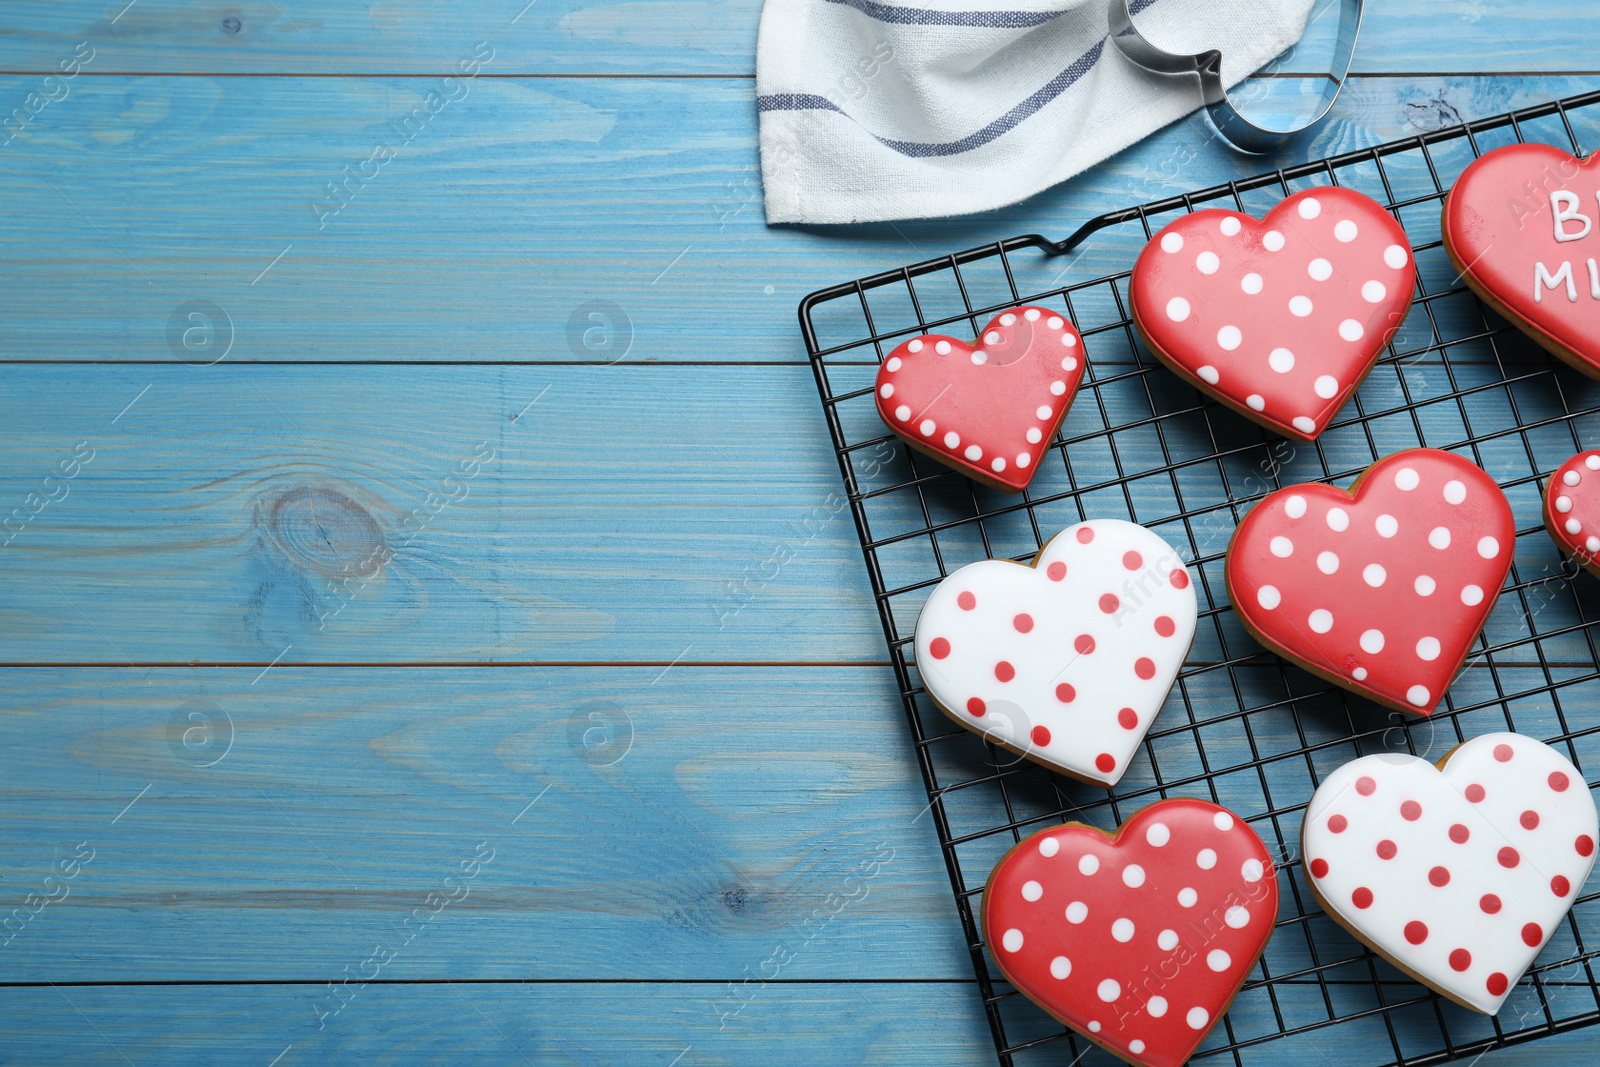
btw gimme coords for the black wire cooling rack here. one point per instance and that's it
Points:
(1241, 726)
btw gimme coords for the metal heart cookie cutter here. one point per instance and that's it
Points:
(1238, 131)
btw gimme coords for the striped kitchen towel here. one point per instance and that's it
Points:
(873, 111)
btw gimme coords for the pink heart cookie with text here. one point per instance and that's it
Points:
(988, 409)
(1278, 319)
(1520, 226)
(1458, 874)
(1381, 589)
(1572, 509)
(1065, 660)
(1138, 941)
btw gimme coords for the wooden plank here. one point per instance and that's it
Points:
(222, 850)
(241, 824)
(576, 513)
(255, 515)
(867, 1023)
(452, 250)
(405, 37)
(551, 824)
(655, 37)
(424, 514)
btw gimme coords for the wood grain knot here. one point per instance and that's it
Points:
(325, 531)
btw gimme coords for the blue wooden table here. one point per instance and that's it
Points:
(429, 626)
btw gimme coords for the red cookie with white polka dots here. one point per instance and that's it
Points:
(1572, 509)
(987, 409)
(1458, 874)
(1138, 941)
(1381, 589)
(1519, 225)
(1278, 319)
(1066, 660)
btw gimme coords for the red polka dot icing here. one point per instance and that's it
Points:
(1279, 319)
(1472, 889)
(1522, 226)
(1381, 590)
(987, 408)
(1572, 509)
(1093, 678)
(1138, 941)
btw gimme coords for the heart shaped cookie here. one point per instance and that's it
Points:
(1278, 319)
(1382, 589)
(1065, 660)
(1520, 225)
(1138, 941)
(1458, 874)
(989, 410)
(1572, 509)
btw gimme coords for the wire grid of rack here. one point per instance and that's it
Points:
(1241, 726)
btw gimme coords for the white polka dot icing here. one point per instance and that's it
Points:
(1354, 599)
(1460, 874)
(1066, 661)
(1143, 972)
(986, 411)
(1572, 509)
(1321, 298)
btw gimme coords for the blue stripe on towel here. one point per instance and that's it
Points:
(1005, 123)
(921, 16)
(1054, 88)
(797, 102)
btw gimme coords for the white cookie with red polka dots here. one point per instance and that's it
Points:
(1278, 319)
(1457, 874)
(1066, 660)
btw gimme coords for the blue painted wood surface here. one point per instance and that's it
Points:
(618, 676)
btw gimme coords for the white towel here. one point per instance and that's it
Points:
(873, 110)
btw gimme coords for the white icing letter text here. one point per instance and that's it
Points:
(1543, 279)
(1564, 205)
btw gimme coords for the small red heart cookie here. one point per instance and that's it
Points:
(1572, 509)
(1381, 589)
(1138, 941)
(1457, 874)
(1278, 319)
(989, 412)
(1068, 660)
(1520, 224)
